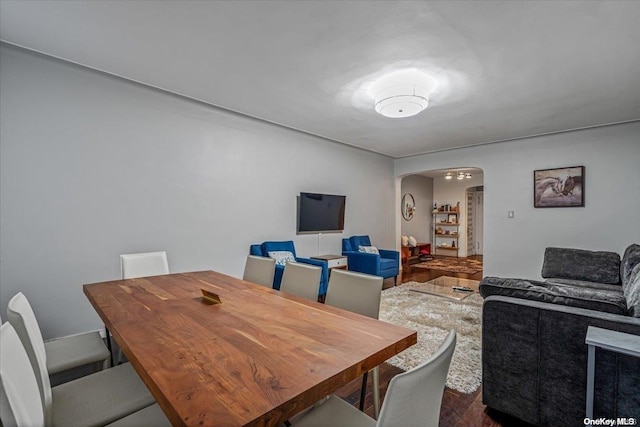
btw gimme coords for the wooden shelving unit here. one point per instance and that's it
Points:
(446, 232)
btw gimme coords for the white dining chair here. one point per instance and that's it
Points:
(301, 280)
(144, 264)
(73, 351)
(359, 293)
(133, 266)
(413, 398)
(259, 270)
(20, 403)
(95, 399)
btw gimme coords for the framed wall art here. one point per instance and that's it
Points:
(558, 188)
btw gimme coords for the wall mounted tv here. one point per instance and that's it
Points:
(320, 213)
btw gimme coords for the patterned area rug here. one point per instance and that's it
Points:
(432, 317)
(453, 265)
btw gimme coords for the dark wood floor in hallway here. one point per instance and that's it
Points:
(458, 409)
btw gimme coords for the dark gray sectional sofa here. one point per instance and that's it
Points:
(534, 356)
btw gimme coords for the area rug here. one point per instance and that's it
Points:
(453, 265)
(433, 317)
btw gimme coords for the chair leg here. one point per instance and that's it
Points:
(395, 280)
(363, 390)
(376, 392)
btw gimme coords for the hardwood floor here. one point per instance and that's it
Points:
(458, 409)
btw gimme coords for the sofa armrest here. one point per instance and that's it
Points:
(571, 296)
(390, 254)
(534, 362)
(579, 264)
(363, 262)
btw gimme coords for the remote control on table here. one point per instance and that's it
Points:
(462, 289)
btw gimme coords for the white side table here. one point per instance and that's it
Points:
(333, 261)
(618, 342)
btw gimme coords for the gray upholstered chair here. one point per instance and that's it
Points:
(301, 280)
(144, 264)
(359, 293)
(93, 400)
(74, 351)
(413, 398)
(151, 416)
(259, 270)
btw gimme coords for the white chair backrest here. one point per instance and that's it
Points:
(414, 397)
(20, 403)
(144, 264)
(356, 292)
(301, 280)
(259, 270)
(23, 320)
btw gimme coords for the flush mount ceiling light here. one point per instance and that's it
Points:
(449, 175)
(460, 175)
(402, 93)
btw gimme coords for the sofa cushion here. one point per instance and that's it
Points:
(632, 292)
(273, 246)
(357, 241)
(592, 299)
(630, 259)
(580, 264)
(585, 284)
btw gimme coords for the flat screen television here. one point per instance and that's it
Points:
(320, 213)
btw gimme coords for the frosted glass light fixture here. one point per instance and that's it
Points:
(403, 93)
(448, 176)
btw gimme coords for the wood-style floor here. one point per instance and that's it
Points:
(458, 409)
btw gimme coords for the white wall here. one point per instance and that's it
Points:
(514, 247)
(421, 187)
(451, 192)
(93, 166)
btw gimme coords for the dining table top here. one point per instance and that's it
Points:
(258, 357)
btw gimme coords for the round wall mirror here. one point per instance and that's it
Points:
(408, 206)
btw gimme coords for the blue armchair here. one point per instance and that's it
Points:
(266, 247)
(386, 264)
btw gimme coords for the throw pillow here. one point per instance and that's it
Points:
(412, 241)
(404, 240)
(281, 257)
(368, 249)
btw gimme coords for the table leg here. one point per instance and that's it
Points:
(108, 335)
(363, 390)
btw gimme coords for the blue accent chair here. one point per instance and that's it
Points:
(387, 264)
(264, 248)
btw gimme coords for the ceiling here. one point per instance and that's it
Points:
(504, 70)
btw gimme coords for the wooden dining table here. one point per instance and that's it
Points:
(258, 357)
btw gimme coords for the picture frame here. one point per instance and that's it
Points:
(559, 187)
(452, 219)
